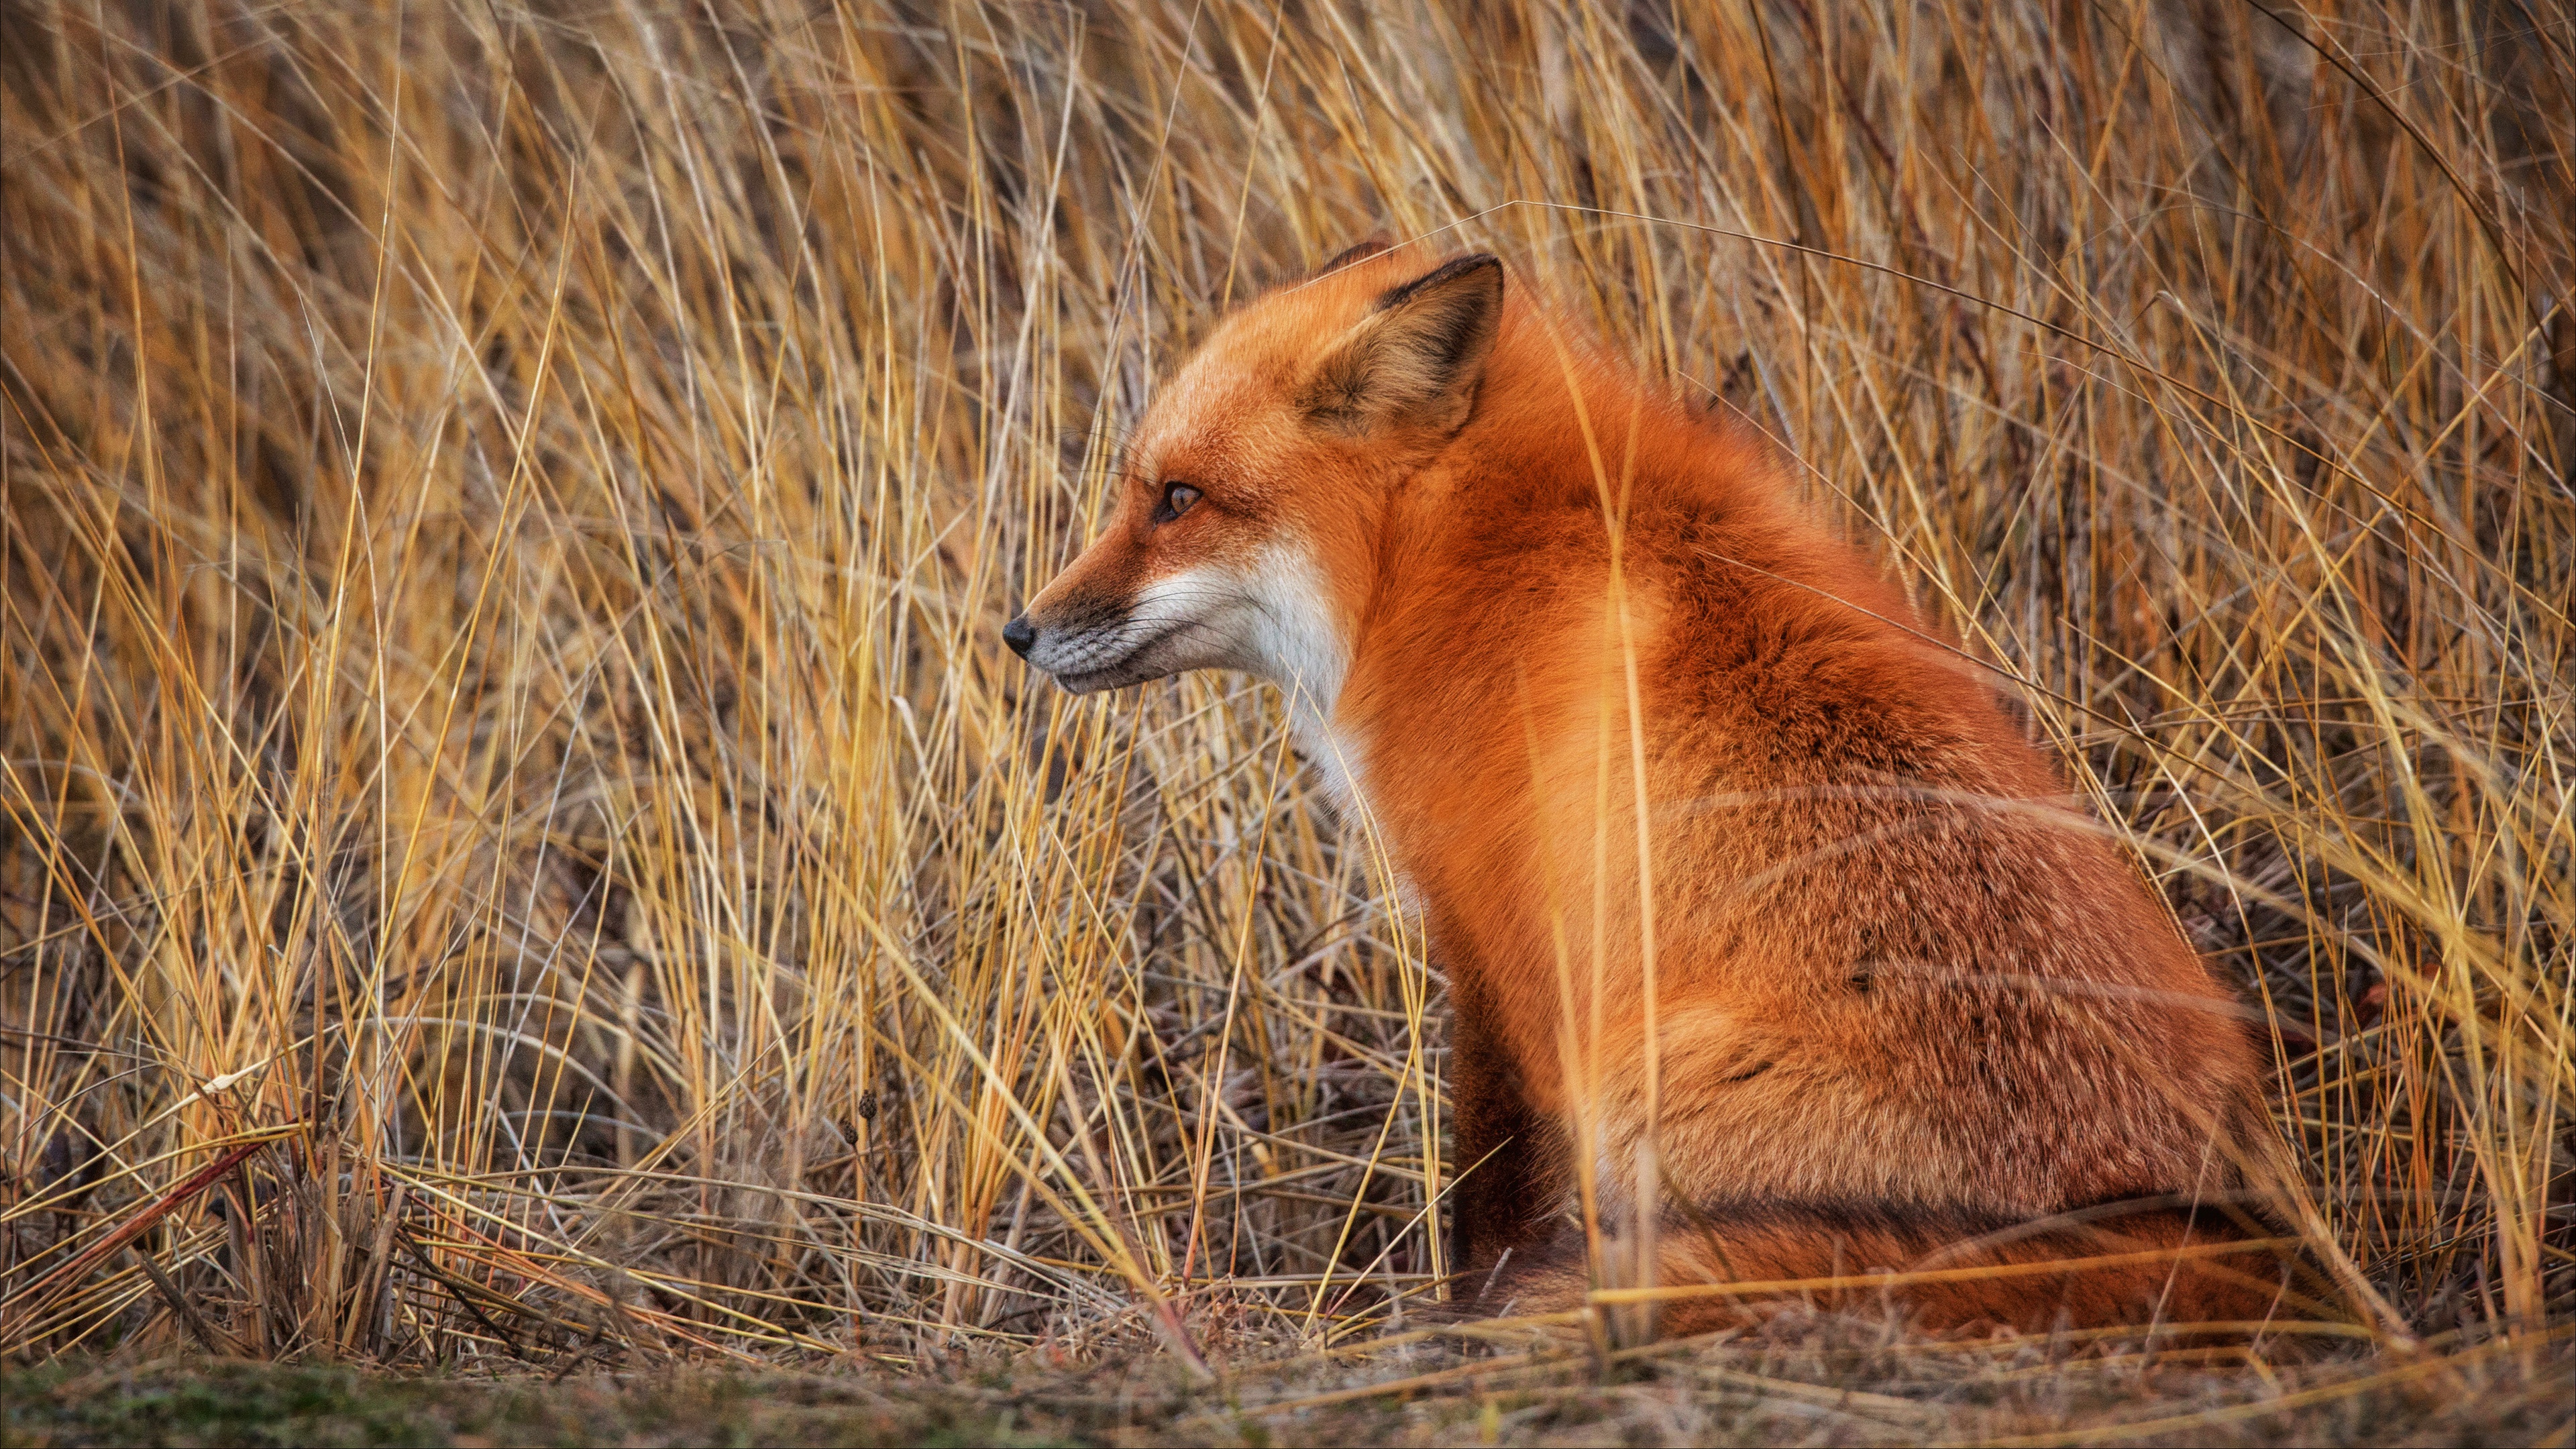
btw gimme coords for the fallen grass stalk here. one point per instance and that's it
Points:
(2234, 1413)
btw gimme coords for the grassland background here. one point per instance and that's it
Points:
(522, 841)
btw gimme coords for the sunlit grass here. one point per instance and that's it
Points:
(508, 514)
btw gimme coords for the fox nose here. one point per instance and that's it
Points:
(1019, 635)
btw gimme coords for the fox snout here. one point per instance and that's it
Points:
(1091, 641)
(1273, 617)
(1082, 644)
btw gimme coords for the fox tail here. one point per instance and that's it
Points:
(2121, 1263)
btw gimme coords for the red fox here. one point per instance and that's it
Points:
(1767, 936)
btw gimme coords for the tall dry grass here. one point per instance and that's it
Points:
(521, 834)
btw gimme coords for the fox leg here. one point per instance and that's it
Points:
(1509, 1160)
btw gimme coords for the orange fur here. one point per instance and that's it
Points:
(1520, 598)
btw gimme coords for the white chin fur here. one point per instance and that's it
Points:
(1291, 636)
(1297, 644)
(1274, 618)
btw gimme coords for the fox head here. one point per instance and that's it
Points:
(1245, 529)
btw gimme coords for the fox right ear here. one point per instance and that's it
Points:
(1416, 359)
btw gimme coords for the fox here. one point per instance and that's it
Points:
(1773, 948)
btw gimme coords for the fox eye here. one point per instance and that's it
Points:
(1177, 498)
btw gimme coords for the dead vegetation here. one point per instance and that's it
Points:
(524, 846)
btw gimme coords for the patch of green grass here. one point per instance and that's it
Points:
(217, 1403)
(200, 1402)
(1826, 1389)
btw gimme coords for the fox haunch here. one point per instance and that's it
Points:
(1751, 898)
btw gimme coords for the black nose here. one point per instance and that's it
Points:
(1019, 635)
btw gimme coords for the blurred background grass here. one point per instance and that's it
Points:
(522, 838)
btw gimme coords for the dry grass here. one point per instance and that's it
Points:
(522, 838)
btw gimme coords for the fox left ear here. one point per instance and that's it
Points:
(1415, 360)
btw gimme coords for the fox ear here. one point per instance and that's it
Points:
(1368, 247)
(1416, 359)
